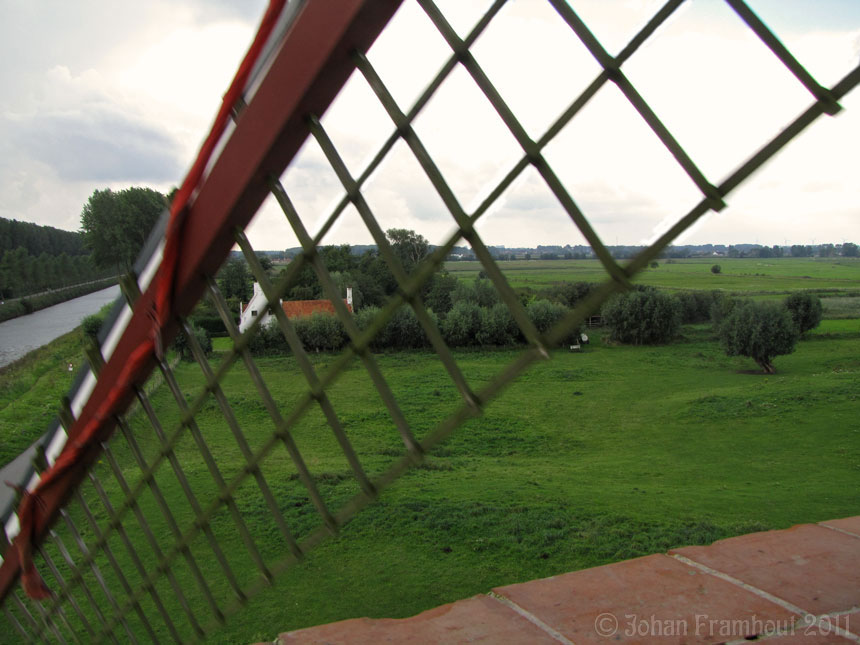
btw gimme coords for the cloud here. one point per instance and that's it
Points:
(98, 96)
(219, 10)
(98, 146)
(105, 97)
(83, 131)
(720, 91)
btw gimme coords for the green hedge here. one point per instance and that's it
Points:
(645, 317)
(466, 325)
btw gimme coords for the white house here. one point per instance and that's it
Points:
(258, 306)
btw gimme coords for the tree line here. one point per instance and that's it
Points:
(759, 330)
(114, 227)
(22, 274)
(36, 258)
(368, 274)
(686, 251)
(470, 315)
(36, 239)
(465, 313)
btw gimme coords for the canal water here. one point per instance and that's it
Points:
(26, 333)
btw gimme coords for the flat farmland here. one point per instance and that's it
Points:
(587, 458)
(742, 275)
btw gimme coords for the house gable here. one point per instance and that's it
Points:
(259, 306)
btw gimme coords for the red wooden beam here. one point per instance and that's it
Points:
(305, 76)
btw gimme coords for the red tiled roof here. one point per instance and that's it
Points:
(305, 308)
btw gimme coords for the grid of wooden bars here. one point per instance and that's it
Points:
(126, 510)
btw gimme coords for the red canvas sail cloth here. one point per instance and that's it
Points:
(31, 511)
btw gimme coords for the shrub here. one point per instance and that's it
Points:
(759, 330)
(721, 307)
(269, 341)
(11, 310)
(568, 293)
(545, 315)
(212, 323)
(91, 325)
(404, 330)
(498, 327)
(183, 347)
(480, 292)
(696, 305)
(805, 311)
(462, 324)
(363, 320)
(655, 264)
(438, 292)
(716, 269)
(320, 332)
(643, 317)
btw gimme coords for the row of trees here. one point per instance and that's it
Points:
(36, 258)
(368, 274)
(466, 324)
(471, 314)
(847, 250)
(758, 330)
(114, 227)
(36, 239)
(22, 274)
(466, 314)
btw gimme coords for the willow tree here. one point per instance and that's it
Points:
(759, 330)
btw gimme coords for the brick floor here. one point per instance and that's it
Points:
(849, 525)
(812, 567)
(791, 587)
(475, 620)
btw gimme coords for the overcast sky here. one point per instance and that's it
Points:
(112, 94)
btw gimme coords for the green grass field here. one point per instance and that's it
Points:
(738, 275)
(31, 389)
(587, 458)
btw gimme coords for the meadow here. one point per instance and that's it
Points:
(30, 392)
(742, 275)
(587, 458)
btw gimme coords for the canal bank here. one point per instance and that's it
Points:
(26, 333)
